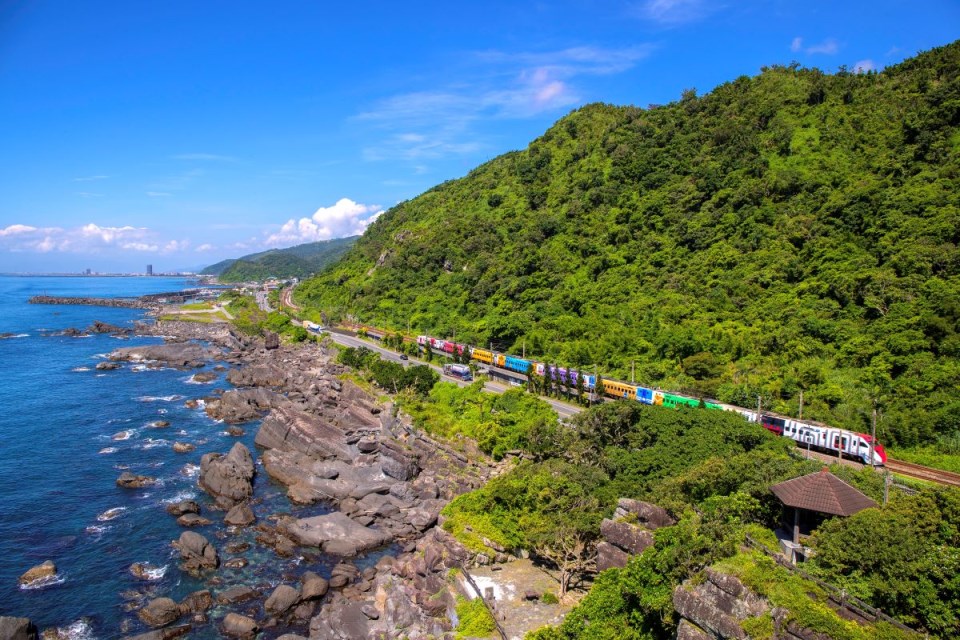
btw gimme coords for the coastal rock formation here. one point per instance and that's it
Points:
(17, 628)
(716, 607)
(182, 507)
(288, 428)
(159, 612)
(168, 633)
(240, 405)
(629, 532)
(103, 327)
(335, 533)
(240, 515)
(196, 552)
(283, 598)
(229, 478)
(239, 626)
(39, 574)
(186, 355)
(128, 480)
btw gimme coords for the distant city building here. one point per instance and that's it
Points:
(88, 271)
(149, 269)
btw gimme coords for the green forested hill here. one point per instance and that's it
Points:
(299, 261)
(790, 232)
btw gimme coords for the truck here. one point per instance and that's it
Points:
(460, 371)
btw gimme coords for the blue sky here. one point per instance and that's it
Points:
(180, 133)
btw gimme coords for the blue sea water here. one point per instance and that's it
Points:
(68, 430)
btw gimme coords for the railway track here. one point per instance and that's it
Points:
(923, 473)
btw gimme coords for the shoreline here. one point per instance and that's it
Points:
(329, 443)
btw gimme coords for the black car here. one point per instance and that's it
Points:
(403, 356)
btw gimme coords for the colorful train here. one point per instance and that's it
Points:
(813, 435)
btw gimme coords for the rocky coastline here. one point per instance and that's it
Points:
(328, 442)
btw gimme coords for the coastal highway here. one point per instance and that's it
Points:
(563, 409)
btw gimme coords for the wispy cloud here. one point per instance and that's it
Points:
(440, 122)
(827, 47)
(673, 12)
(344, 218)
(90, 178)
(204, 157)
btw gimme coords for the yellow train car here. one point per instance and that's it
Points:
(499, 359)
(482, 355)
(619, 390)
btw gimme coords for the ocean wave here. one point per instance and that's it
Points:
(162, 411)
(80, 369)
(153, 444)
(110, 514)
(97, 530)
(147, 571)
(101, 375)
(169, 398)
(15, 335)
(138, 368)
(181, 496)
(79, 630)
(41, 583)
(190, 470)
(107, 450)
(122, 435)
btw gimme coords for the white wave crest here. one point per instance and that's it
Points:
(190, 470)
(107, 450)
(110, 514)
(97, 530)
(48, 581)
(181, 496)
(169, 398)
(153, 444)
(80, 369)
(79, 630)
(123, 435)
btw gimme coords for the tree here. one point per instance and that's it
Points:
(580, 387)
(599, 389)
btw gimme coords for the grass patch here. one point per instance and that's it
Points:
(204, 318)
(196, 306)
(931, 455)
(471, 528)
(474, 618)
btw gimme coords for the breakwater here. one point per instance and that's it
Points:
(143, 302)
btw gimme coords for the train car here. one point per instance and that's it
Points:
(516, 364)
(423, 340)
(482, 355)
(619, 390)
(673, 400)
(500, 360)
(645, 395)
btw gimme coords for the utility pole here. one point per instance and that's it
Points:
(524, 352)
(873, 434)
(758, 409)
(801, 404)
(632, 368)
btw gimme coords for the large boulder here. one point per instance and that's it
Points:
(179, 354)
(39, 574)
(609, 557)
(283, 598)
(128, 480)
(196, 552)
(258, 375)
(240, 515)
(240, 405)
(239, 626)
(290, 429)
(629, 537)
(159, 612)
(312, 586)
(17, 629)
(719, 604)
(398, 462)
(643, 513)
(228, 478)
(335, 533)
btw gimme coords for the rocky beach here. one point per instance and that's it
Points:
(357, 540)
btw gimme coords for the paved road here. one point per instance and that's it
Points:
(563, 409)
(262, 301)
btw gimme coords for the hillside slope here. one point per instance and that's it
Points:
(793, 233)
(299, 261)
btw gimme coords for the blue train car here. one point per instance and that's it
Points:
(645, 395)
(516, 364)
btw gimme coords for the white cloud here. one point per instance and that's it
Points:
(15, 229)
(672, 12)
(205, 247)
(828, 47)
(862, 66)
(345, 218)
(90, 238)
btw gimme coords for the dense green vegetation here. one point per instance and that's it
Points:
(713, 471)
(789, 235)
(389, 375)
(497, 422)
(252, 320)
(299, 262)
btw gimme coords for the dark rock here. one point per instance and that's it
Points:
(686, 630)
(191, 404)
(107, 366)
(143, 570)
(168, 633)
(17, 629)
(40, 573)
(609, 556)
(183, 447)
(181, 354)
(337, 582)
(196, 552)
(367, 445)
(228, 478)
(239, 626)
(370, 611)
(312, 586)
(240, 515)
(236, 432)
(290, 429)
(281, 600)
(271, 340)
(103, 327)
(236, 563)
(128, 480)
(159, 612)
(718, 605)
(182, 507)
(204, 376)
(193, 520)
(159, 424)
(649, 515)
(196, 602)
(398, 462)
(629, 537)
(238, 547)
(335, 533)
(240, 405)
(236, 594)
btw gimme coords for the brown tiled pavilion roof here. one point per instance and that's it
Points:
(822, 492)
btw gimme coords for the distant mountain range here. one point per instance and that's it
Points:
(299, 261)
